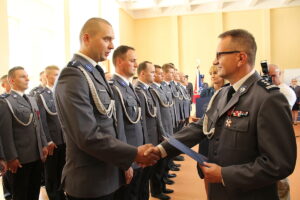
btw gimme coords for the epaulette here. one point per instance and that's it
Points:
(138, 88)
(4, 95)
(39, 91)
(76, 63)
(111, 82)
(266, 85)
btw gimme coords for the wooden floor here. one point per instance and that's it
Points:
(189, 186)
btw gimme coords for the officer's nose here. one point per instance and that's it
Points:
(215, 62)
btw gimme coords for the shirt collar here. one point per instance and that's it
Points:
(146, 85)
(87, 58)
(238, 84)
(18, 92)
(50, 88)
(123, 78)
(158, 84)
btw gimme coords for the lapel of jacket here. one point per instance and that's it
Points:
(90, 68)
(235, 99)
(20, 99)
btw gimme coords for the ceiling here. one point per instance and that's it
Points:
(156, 8)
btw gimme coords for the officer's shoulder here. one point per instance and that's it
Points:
(76, 64)
(111, 82)
(138, 88)
(39, 91)
(4, 95)
(266, 85)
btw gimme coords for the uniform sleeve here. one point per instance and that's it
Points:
(76, 113)
(276, 146)
(2, 157)
(190, 136)
(6, 130)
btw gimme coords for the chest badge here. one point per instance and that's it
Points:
(228, 122)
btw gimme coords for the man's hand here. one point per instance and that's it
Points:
(3, 167)
(153, 150)
(212, 173)
(146, 159)
(51, 148)
(13, 165)
(45, 153)
(128, 175)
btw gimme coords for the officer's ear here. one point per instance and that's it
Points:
(243, 57)
(118, 61)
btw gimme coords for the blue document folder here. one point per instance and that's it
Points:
(182, 147)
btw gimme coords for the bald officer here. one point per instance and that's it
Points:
(96, 159)
(25, 142)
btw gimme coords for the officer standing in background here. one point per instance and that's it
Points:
(3, 164)
(6, 178)
(186, 98)
(168, 73)
(157, 183)
(42, 85)
(128, 108)
(52, 128)
(4, 84)
(25, 142)
(150, 115)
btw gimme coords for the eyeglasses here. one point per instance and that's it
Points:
(218, 54)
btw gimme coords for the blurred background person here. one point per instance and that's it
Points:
(295, 108)
(189, 87)
(38, 89)
(275, 73)
(216, 83)
(4, 84)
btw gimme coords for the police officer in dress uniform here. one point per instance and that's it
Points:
(6, 179)
(3, 165)
(151, 115)
(52, 128)
(251, 144)
(157, 185)
(96, 158)
(186, 98)
(38, 89)
(25, 142)
(129, 114)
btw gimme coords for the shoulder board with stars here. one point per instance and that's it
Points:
(138, 88)
(111, 82)
(76, 63)
(4, 95)
(266, 85)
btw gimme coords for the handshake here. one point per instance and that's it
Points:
(147, 155)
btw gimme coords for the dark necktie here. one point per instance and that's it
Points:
(102, 74)
(26, 98)
(231, 91)
(131, 86)
(101, 71)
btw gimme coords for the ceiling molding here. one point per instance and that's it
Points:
(157, 8)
